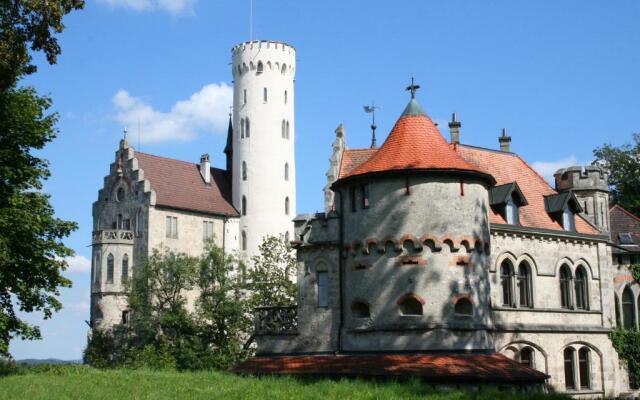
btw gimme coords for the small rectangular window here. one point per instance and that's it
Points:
(126, 224)
(323, 289)
(365, 196)
(172, 227)
(207, 230)
(352, 198)
(244, 96)
(125, 318)
(264, 95)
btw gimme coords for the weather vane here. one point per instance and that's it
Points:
(372, 110)
(413, 88)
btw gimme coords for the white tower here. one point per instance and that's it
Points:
(264, 173)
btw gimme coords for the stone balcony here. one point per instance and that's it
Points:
(112, 236)
(276, 320)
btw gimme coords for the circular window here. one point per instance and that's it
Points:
(120, 194)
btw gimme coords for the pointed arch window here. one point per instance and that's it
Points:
(125, 268)
(286, 171)
(244, 205)
(247, 128)
(242, 128)
(584, 368)
(628, 312)
(98, 269)
(244, 170)
(110, 264)
(569, 368)
(286, 205)
(506, 283)
(524, 285)
(581, 289)
(285, 97)
(617, 307)
(260, 68)
(565, 287)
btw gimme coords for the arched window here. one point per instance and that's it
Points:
(244, 240)
(284, 129)
(526, 356)
(506, 283)
(581, 289)
(286, 171)
(284, 68)
(242, 127)
(286, 205)
(244, 205)
(110, 263)
(260, 68)
(244, 170)
(125, 268)
(583, 367)
(247, 128)
(628, 312)
(120, 194)
(512, 212)
(322, 283)
(285, 97)
(97, 270)
(287, 135)
(569, 368)
(264, 95)
(618, 319)
(409, 305)
(360, 309)
(463, 307)
(524, 285)
(565, 287)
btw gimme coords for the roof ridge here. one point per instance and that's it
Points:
(629, 213)
(506, 153)
(163, 157)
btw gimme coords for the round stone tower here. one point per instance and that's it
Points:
(264, 172)
(590, 184)
(415, 237)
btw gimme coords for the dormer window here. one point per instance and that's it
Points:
(512, 213)
(506, 200)
(568, 220)
(563, 207)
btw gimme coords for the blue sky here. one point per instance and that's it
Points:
(563, 77)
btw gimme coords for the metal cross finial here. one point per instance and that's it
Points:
(413, 88)
(124, 132)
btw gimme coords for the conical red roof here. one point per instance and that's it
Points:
(415, 144)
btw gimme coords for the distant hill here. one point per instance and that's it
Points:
(39, 361)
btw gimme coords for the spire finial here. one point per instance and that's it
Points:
(230, 111)
(124, 133)
(413, 88)
(372, 110)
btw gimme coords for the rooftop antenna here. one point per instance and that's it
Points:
(372, 110)
(250, 20)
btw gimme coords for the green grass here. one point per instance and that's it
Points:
(80, 382)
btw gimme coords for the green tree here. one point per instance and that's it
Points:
(271, 278)
(29, 25)
(623, 164)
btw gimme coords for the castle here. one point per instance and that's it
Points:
(429, 253)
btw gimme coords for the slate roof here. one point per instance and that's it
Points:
(474, 368)
(414, 144)
(178, 184)
(623, 221)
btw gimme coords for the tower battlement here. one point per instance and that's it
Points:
(263, 57)
(589, 177)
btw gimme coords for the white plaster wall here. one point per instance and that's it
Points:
(265, 151)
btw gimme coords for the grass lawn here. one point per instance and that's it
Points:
(80, 382)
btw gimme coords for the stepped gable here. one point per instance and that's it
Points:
(507, 168)
(415, 144)
(178, 184)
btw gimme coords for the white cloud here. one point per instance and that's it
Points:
(175, 7)
(78, 264)
(548, 168)
(206, 110)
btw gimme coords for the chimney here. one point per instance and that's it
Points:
(505, 141)
(205, 168)
(454, 129)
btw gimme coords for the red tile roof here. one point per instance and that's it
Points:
(508, 167)
(623, 221)
(492, 367)
(178, 184)
(352, 158)
(414, 144)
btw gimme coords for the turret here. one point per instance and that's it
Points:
(263, 142)
(591, 187)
